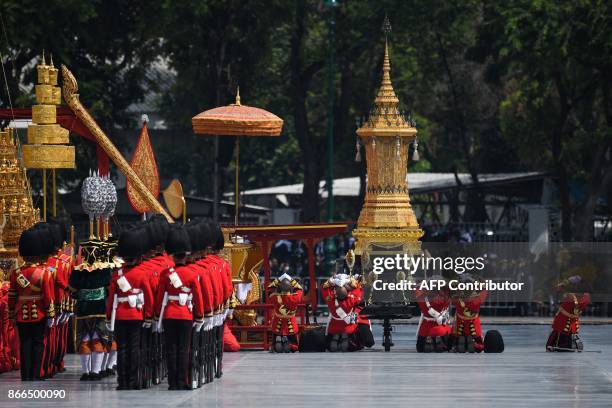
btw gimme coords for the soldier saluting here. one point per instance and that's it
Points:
(31, 301)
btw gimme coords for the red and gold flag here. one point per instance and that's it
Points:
(144, 164)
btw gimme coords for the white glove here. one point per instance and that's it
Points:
(50, 322)
(198, 325)
(433, 313)
(208, 324)
(108, 326)
(157, 328)
(440, 319)
(146, 324)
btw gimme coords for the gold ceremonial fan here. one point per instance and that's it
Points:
(175, 200)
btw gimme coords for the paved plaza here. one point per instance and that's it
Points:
(524, 375)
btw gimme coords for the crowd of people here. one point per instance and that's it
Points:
(150, 305)
(153, 304)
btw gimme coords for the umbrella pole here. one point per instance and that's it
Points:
(237, 192)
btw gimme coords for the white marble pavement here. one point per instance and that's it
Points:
(523, 376)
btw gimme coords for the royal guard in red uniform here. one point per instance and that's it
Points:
(203, 354)
(31, 301)
(157, 263)
(62, 294)
(224, 278)
(566, 324)
(285, 298)
(212, 293)
(179, 308)
(342, 294)
(129, 307)
(467, 333)
(434, 329)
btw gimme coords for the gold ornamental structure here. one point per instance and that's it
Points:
(387, 218)
(16, 210)
(48, 143)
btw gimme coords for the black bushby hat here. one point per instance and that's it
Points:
(177, 241)
(45, 235)
(56, 235)
(161, 226)
(206, 235)
(30, 244)
(195, 236)
(131, 243)
(149, 237)
(62, 226)
(218, 239)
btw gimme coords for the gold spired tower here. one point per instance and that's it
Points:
(16, 210)
(387, 219)
(48, 144)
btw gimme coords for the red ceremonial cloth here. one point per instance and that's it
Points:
(230, 343)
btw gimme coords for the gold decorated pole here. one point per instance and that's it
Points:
(71, 96)
(237, 192)
(387, 216)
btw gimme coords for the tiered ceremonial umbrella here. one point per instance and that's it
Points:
(237, 120)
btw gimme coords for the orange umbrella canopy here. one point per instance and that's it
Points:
(237, 120)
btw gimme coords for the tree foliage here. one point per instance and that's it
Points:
(494, 86)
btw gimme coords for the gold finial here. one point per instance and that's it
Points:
(238, 96)
(51, 56)
(386, 94)
(43, 58)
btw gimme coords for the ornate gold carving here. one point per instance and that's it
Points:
(386, 215)
(49, 156)
(71, 96)
(16, 210)
(47, 134)
(144, 165)
(48, 94)
(44, 114)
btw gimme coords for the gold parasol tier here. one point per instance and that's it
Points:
(237, 120)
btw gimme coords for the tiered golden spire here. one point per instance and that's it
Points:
(385, 118)
(386, 215)
(47, 146)
(16, 210)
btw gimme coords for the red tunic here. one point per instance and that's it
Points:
(342, 314)
(157, 265)
(567, 319)
(135, 302)
(31, 294)
(284, 322)
(225, 272)
(216, 284)
(206, 288)
(189, 287)
(467, 315)
(428, 326)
